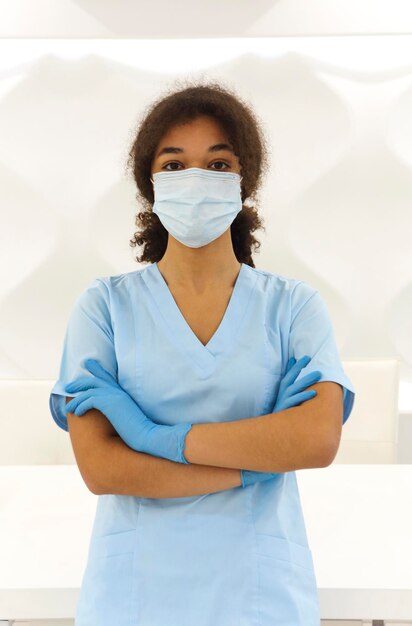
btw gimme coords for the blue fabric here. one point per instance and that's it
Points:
(89, 334)
(311, 332)
(238, 556)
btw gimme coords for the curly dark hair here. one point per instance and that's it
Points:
(244, 130)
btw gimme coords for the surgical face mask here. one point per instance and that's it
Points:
(196, 205)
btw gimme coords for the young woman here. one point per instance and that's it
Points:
(178, 387)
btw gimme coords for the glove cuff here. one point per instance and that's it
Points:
(248, 477)
(181, 431)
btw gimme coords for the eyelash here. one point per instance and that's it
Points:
(170, 162)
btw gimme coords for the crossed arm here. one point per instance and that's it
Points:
(303, 436)
(299, 437)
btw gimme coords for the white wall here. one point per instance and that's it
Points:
(337, 203)
(213, 18)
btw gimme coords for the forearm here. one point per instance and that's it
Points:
(276, 442)
(127, 472)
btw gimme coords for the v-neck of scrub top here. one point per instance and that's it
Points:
(179, 331)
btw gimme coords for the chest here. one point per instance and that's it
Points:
(200, 359)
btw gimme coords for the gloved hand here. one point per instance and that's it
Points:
(138, 431)
(290, 394)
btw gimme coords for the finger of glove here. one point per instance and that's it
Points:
(95, 368)
(304, 382)
(84, 406)
(83, 383)
(74, 402)
(290, 364)
(294, 372)
(295, 400)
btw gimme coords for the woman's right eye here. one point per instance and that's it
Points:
(171, 163)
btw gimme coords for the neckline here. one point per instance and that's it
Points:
(228, 315)
(168, 319)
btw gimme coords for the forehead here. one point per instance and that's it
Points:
(188, 137)
(202, 128)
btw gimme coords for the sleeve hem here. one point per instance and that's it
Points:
(55, 410)
(348, 389)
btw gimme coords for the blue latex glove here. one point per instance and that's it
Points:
(290, 394)
(139, 432)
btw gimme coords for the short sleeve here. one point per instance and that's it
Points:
(311, 333)
(89, 334)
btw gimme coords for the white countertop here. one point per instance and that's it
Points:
(359, 525)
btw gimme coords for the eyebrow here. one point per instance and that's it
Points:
(215, 148)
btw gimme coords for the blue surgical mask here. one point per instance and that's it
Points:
(196, 205)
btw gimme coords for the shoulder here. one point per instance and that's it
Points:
(121, 282)
(294, 290)
(116, 294)
(96, 294)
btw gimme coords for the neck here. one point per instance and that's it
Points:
(198, 269)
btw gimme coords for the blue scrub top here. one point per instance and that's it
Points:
(237, 557)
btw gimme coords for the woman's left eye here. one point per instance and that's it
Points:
(221, 162)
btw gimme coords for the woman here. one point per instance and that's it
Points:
(178, 381)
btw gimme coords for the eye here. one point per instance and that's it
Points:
(223, 163)
(164, 167)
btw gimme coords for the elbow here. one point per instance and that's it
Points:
(328, 453)
(96, 477)
(326, 458)
(100, 488)
(320, 455)
(95, 488)
(94, 485)
(99, 491)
